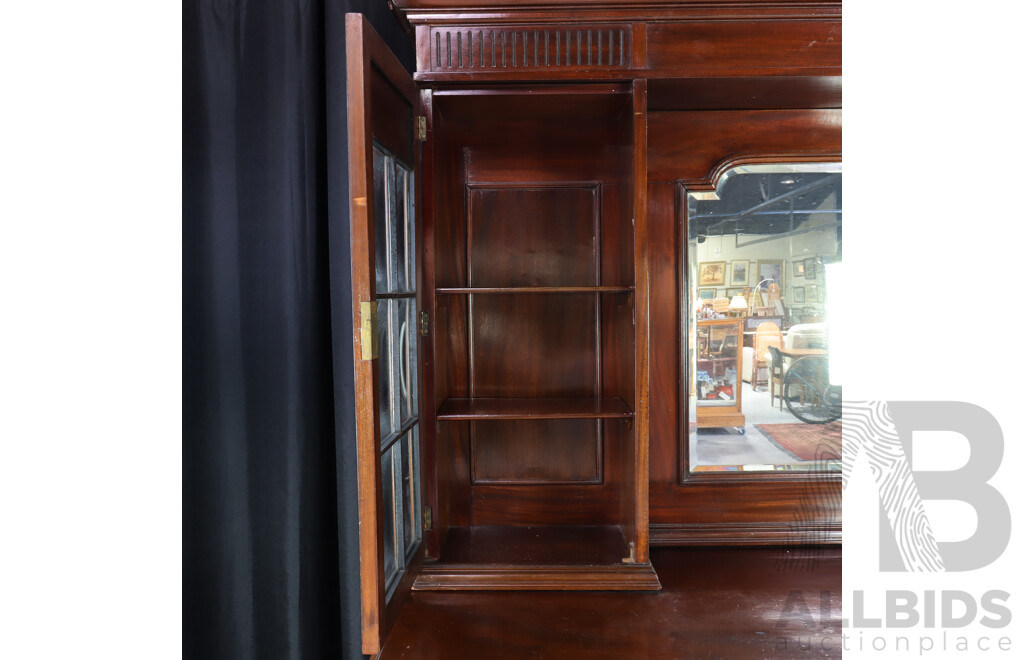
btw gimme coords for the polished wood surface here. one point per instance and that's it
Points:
(812, 47)
(633, 509)
(715, 603)
(534, 408)
(746, 93)
(695, 148)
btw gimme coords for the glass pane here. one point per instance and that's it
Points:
(394, 246)
(412, 369)
(410, 228)
(404, 341)
(401, 253)
(391, 563)
(760, 250)
(410, 490)
(380, 214)
(385, 368)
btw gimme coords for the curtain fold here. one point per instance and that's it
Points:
(269, 526)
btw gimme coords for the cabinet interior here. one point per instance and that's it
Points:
(531, 262)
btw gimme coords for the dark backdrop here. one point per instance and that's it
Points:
(271, 567)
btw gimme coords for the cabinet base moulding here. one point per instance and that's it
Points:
(782, 533)
(624, 577)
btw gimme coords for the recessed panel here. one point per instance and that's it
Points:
(542, 451)
(534, 345)
(533, 236)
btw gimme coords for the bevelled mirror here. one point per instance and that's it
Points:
(764, 268)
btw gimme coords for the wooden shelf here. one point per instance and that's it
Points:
(531, 289)
(546, 408)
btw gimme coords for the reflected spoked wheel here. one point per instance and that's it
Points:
(808, 393)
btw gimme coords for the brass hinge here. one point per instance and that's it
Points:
(424, 324)
(368, 329)
(428, 519)
(421, 128)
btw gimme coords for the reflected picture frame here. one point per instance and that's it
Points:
(772, 269)
(739, 273)
(798, 294)
(706, 294)
(711, 273)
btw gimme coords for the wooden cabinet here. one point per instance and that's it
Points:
(719, 384)
(543, 349)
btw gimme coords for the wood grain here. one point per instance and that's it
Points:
(534, 408)
(695, 148)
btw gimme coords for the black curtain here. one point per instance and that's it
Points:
(269, 510)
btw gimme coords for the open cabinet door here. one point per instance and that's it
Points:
(382, 187)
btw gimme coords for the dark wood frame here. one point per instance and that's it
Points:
(366, 51)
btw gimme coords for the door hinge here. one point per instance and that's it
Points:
(368, 329)
(428, 519)
(425, 324)
(421, 128)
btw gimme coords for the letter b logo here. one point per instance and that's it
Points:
(884, 431)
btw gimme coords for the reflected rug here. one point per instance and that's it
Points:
(807, 442)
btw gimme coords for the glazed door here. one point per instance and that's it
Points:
(382, 187)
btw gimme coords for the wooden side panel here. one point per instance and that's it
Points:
(633, 500)
(664, 319)
(430, 467)
(450, 329)
(745, 47)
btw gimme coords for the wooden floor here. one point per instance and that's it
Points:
(717, 603)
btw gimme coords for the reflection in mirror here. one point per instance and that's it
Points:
(763, 249)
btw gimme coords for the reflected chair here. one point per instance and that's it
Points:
(767, 334)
